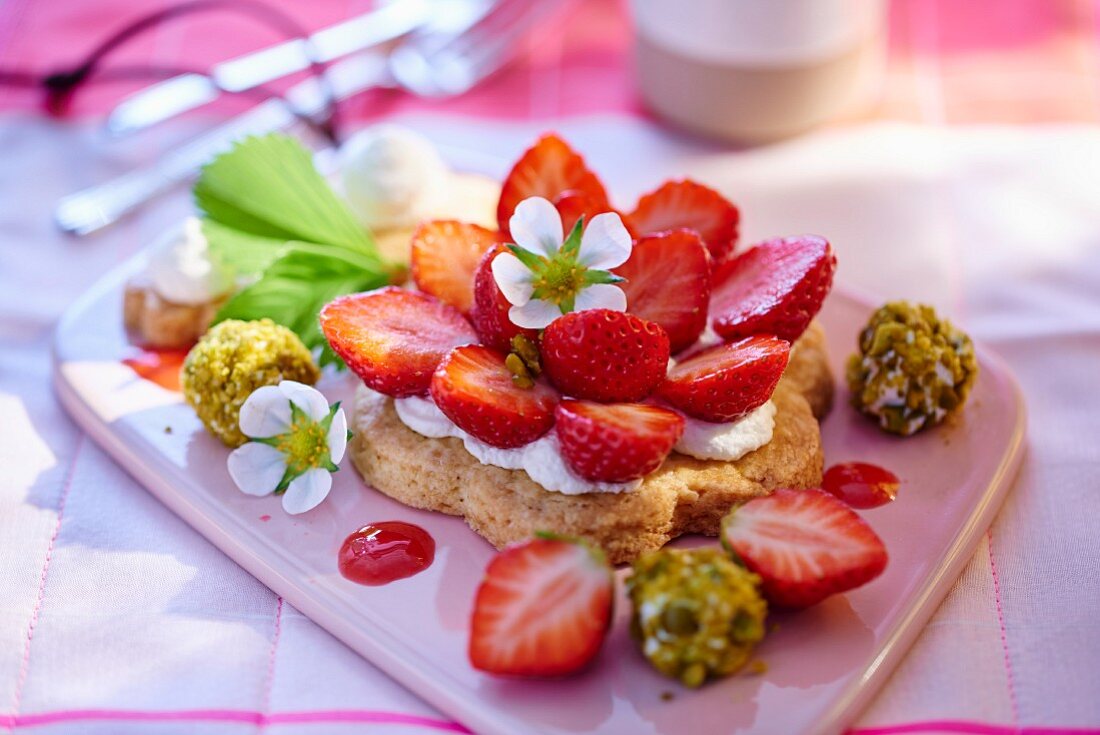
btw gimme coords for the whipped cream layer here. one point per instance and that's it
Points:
(542, 459)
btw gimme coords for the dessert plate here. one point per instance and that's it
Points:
(823, 664)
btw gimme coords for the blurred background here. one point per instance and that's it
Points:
(977, 61)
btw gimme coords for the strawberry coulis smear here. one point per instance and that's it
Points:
(384, 552)
(158, 366)
(861, 485)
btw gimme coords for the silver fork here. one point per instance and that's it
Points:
(428, 64)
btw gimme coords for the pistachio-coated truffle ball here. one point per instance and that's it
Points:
(912, 370)
(235, 358)
(697, 614)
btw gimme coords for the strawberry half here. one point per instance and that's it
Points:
(775, 288)
(489, 312)
(474, 389)
(615, 442)
(572, 205)
(392, 338)
(688, 204)
(549, 169)
(805, 545)
(445, 254)
(604, 355)
(727, 381)
(668, 282)
(543, 609)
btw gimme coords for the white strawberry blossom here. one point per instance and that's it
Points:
(548, 274)
(297, 442)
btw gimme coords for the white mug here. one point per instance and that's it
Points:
(757, 70)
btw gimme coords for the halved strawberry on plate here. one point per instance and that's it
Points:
(805, 544)
(727, 381)
(474, 388)
(445, 256)
(688, 204)
(542, 610)
(552, 170)
(777, 288)
(392, 338)
(615, 442)
(668, 282)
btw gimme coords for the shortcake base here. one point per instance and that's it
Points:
(684, 495)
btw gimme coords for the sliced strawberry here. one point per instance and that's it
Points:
(727, 381)
(775, 288)
(445, 254)
(549, 169)
(615, 442)
(686, 203)
(668, 282)
(604, 355)
(572, 205)
(474, 389)
(489, 313)
(392, 338)
(805, 545)
(542, 609)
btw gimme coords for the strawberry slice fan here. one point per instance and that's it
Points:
(590, 374)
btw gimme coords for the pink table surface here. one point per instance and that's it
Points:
(116, 617)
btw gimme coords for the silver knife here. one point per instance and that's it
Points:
(185, 92)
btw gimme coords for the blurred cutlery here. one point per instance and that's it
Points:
(429, 62)
(185, 92)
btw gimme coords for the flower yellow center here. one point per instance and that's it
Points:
(305, 445)
(560, 281)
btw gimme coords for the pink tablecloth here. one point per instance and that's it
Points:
(116, 617)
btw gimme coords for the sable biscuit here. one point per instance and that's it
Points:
(685, 495)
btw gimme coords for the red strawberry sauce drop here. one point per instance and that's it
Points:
(158, 366)
(384, 552)
(861, 485)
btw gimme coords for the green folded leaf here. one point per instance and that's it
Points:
(271, 216)
(297, 284)
(268, 186)
(240, 253)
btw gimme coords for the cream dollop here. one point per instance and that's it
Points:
(541, 459)
(392, 177)
(181, 270)
(728, 441)
(543, 462)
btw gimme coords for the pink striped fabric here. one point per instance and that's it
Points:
(364, 717)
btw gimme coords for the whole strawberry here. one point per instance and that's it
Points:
(604, 355)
